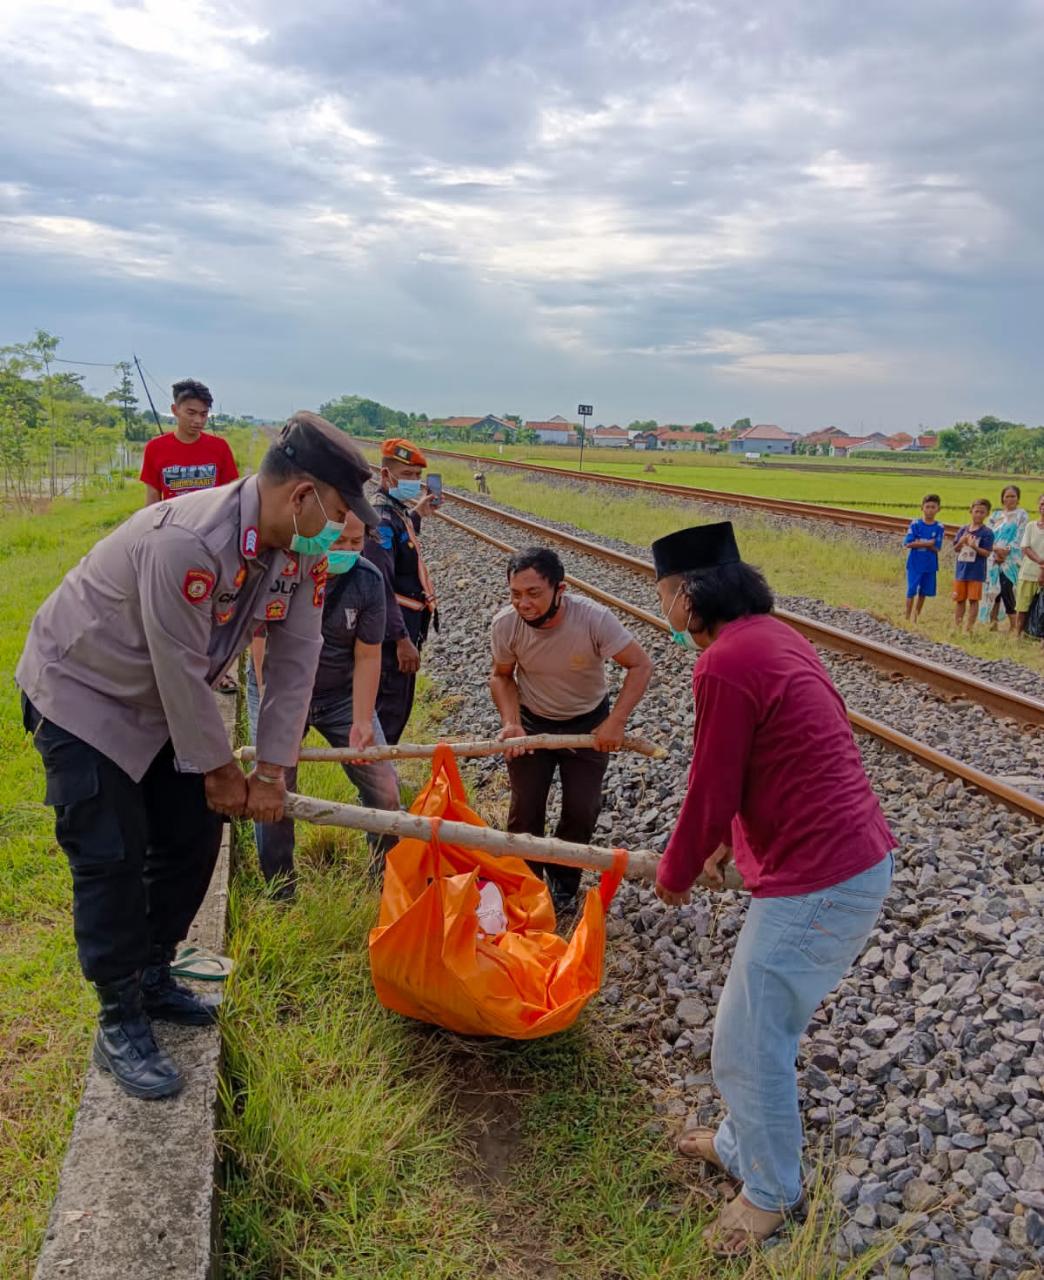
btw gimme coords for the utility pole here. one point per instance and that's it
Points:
(585, 411)
(159, 427)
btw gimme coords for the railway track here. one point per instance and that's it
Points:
(1003, 701)
(873, 521)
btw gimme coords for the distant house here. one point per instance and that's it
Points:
(819, 441)
(766, 437)
(681, 439)
(899, 440)
(644, 439)
(488, 428)
(921, 443)
(555, 430)
(608, 437)
(843, 446)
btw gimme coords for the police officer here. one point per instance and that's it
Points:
(395, 549)
(116, 679)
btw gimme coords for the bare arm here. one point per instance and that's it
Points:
(366, 677)
(609, 734)
(504, 690)
(151, 495)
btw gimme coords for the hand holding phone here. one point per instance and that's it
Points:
(434, 486)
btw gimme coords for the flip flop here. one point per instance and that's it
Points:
(698, 1144)
(751, 1224)
(227, 685)
(201, 964)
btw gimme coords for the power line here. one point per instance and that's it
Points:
(149, 394)
(94, 364)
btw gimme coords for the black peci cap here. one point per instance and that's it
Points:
(705, 546)
(324, 451)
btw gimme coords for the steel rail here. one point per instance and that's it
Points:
(1002, 701)
(999, 791)
(871, 520)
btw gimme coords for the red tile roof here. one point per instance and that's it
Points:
(764, 431)
(553, 425)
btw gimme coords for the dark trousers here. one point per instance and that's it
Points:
(395, 695)
(141, 853)
(580, 772)
(377, 783)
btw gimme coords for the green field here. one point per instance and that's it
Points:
(898, 495)
(350, 1133)
(46, 1009)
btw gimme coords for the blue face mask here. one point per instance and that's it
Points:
(320, 542)
(406, 490)
(341, 561)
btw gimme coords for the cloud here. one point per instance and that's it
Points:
(684, 208)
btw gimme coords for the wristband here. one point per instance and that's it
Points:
(267, 777)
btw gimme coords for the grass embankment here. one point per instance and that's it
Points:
(834, 569)
(880, 491)
(362, 1145)
(46, 1010)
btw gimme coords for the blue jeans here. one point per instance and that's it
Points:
(790, 953)
(377, 783)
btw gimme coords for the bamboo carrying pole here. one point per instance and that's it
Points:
(481, 747)
(641, 863)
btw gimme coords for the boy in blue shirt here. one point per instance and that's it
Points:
(973, 544)
(924, 538)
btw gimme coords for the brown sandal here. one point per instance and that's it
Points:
(744, 1224)
(698, 1144)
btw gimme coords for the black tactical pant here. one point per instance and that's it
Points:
(581, 773)
(141, 853)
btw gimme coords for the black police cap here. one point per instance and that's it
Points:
(324, 451)
(705, 546)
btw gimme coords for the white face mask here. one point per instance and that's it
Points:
(684, 638)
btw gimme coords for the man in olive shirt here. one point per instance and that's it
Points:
(116, 679)
(549, 656)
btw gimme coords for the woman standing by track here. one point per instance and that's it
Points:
(1008, 524)
(776, 779)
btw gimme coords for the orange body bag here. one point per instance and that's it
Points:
(431, 961)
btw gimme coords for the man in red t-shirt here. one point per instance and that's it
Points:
(187, 458)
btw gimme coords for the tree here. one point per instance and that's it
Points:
(123, 395)
(956, 441)
(705, 428)
(512, 417)
(650, 425)
(989, 424)
(741, 424)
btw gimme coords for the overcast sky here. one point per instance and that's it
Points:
(801, 211)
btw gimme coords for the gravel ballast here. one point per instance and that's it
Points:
(924, 1071)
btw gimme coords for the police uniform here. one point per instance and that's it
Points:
(395, 548)
(116, 679)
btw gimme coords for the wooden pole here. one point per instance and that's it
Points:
(480, 747)
(641, 863)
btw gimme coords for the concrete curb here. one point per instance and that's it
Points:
(137, 1198)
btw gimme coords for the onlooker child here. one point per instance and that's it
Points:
(973, 543)
(1031, 574)
(187, 458)
(924, 539)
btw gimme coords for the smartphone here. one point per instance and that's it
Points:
(435, 487)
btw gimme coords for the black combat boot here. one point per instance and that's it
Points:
(124, 1045)
(168, 1000)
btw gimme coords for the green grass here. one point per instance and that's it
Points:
(836, 569)
(351, 1133)
(45, 1007)
(880, 491)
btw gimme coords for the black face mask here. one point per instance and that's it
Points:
(549, 613)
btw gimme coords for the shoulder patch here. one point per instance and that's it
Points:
(319, 570)
(319, 594)
(198, 585)
(249, 545)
